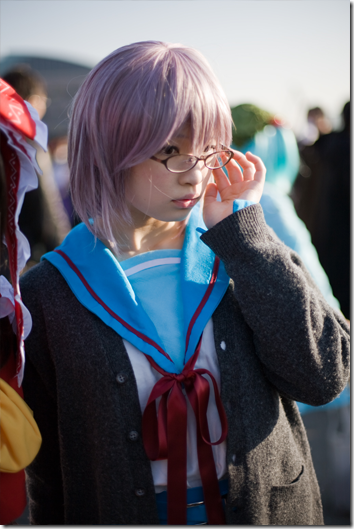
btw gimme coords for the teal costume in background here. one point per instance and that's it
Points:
(277, 147)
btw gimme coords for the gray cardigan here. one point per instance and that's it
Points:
(281, 342)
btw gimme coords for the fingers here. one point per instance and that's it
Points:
(239, 183)
(260, 169)
(247, 165)
(211, 193)
(253, 167)
(221, 179)
(234, 171)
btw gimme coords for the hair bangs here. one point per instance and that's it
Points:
(203, 99)
(129, 106)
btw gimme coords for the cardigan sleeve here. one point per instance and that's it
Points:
(301, 342)
(43, 475)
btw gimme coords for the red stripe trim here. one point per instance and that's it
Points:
(205, 299)
(113, 314)
(129, 327)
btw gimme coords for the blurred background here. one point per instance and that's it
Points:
(285, 68)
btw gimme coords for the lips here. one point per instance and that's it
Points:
(187, 201)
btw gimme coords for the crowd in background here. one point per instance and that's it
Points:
(312, 169)
(306, 201)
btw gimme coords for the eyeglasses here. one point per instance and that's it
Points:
(181, 163)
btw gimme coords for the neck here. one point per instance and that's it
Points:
(152, 235)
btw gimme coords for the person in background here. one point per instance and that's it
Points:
(321, 195)
(303, 189)
(317, 124)
(259, 131)
(58, 147)
(20, 439)
(43, 218)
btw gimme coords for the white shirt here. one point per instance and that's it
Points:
(146, 376)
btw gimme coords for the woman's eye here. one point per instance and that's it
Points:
(169, 149)
(210, 148)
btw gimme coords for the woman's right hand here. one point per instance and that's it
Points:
(246, 185)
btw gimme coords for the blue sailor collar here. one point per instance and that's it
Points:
(97, 280)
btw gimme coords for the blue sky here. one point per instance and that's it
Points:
(284, 55)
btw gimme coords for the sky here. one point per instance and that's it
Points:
(282, 55)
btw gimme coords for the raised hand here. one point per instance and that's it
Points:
(247, 185)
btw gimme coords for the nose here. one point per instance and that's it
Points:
(194, 176)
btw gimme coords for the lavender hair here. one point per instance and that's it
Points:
(128, 107)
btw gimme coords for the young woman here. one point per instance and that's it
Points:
(172, 331)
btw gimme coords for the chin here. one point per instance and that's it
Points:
(175, 216)
(182, 216)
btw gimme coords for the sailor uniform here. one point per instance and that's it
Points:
(276, 340)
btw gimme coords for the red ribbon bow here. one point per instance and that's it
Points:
(165, 437)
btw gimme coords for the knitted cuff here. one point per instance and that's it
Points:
(246, 227)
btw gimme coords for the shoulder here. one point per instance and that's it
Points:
(41, 286)
(56, 313)
(44, 274)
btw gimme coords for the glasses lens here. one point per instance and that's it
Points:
(218, 159)
(181, 163)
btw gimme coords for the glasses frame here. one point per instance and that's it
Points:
(203, 158)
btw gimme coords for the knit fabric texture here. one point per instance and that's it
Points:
(277, 341)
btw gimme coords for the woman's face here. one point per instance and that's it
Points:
(154, 192)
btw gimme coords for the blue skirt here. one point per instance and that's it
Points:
(196, 512)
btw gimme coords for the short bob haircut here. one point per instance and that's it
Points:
(126, 110)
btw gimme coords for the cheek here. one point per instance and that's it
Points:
(138, 184)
